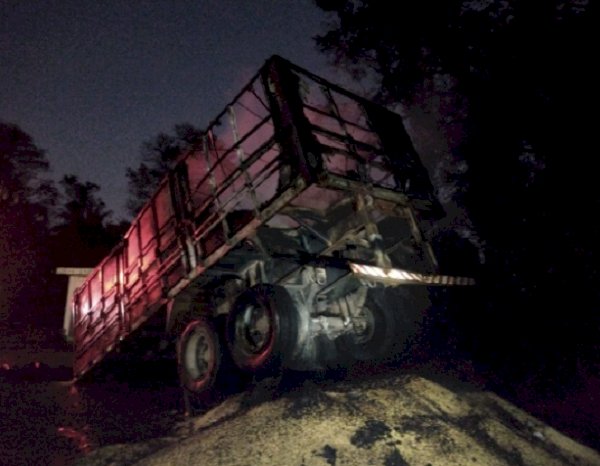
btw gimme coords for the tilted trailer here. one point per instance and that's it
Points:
(290, 236)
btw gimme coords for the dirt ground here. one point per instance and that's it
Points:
(399, 420)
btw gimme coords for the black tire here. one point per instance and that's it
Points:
(198, 356)
(262, 329)
(394, 321)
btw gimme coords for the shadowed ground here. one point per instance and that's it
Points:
(389, 420)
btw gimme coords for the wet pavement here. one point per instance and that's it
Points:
(56, 422)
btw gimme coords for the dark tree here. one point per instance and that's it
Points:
(26, 198)
(82, 207)
(157, 157)
(23, 167)
(513, 82)
(83, 234)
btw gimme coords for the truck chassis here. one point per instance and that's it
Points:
(289, 236)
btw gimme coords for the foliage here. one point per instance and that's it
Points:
(516, 77)
(83, 224)
(26, 199)
(30, 248)
(82, 207)
(22, 166)
(158, 155)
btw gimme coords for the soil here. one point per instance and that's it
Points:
(390, 420)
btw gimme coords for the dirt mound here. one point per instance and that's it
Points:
(390, 421)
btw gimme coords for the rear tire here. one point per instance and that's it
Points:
(262, 329)
(394, 321)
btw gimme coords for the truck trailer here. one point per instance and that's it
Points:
(290, 236)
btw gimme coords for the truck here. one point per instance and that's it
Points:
(289, 237)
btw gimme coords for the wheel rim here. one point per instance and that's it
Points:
(198, 355)
(366, 334)
(262, 329)
(254, 329)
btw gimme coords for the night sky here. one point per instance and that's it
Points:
(90, 80)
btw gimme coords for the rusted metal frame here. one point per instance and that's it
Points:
(334, 87)
(142, 294)
(418, 235)
(249, 110)
(85, 319)
(246, 231)
(138, 265)
(337, 137)
(150, 205)
(364, 202)
(102, 291)
(243, 164)
(216, 216)
(268, 170)
(333, 181)
(95, 336)
(212, 221)
(321, 215)
(249, 162)
(247, 88)
(181, 200)
(351, 233)
(366, 104)
(403, 213)
(98, 307)
(213, 224)
(338, 182)
(216, 121)
(252, 91)
(171, 260)
(317, 110)
(350, 141)
(211, 174)
(166, 262)
(121, 286)
(349, 229)
(262, 150)
(158, 237)
(400, 245)
(323, 82)
(312, 230)
(235, 146)
(369, 162)
(127, 286)
(270, 167)
(300, 150)
(326, 149)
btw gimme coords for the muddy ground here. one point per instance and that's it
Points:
(388, 420)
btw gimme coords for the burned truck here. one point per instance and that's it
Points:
(290, 236)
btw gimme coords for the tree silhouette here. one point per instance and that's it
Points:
(83, 234)
(26, 199)
(510, 81)
(82, 206)
(158, 155)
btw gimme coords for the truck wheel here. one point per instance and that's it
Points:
(198, 356)
(262, 328)
(394, 319)
(375, 341)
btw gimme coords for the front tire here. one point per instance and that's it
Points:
(262, 329)
(198, 356)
